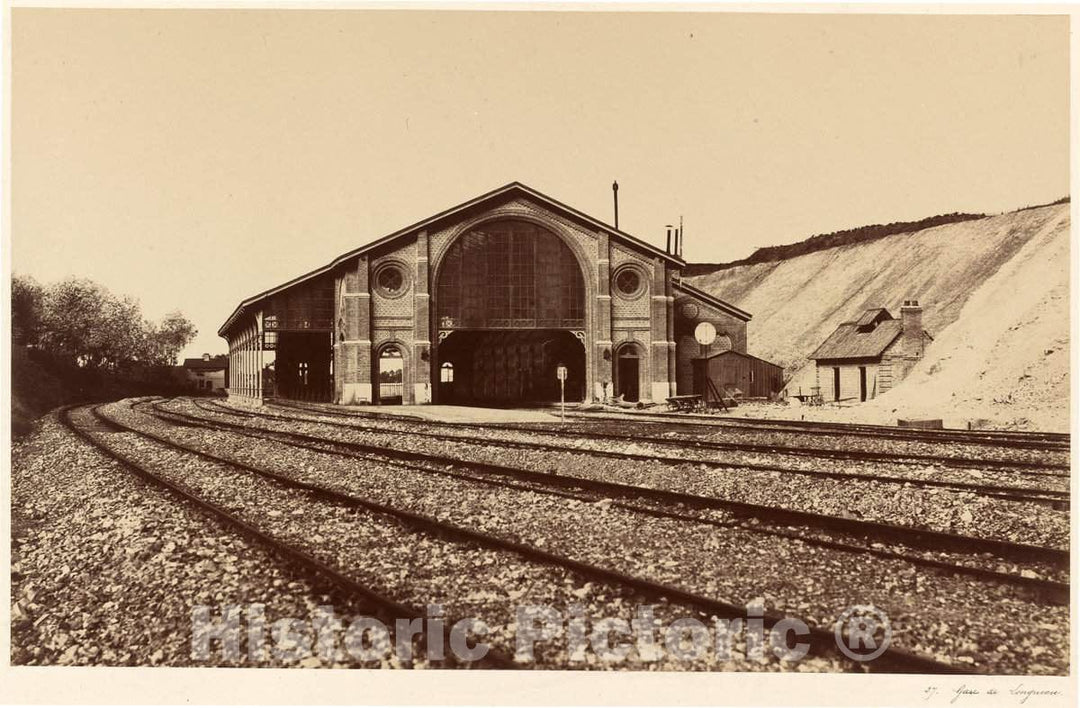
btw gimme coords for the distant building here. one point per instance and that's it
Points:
(207, 374)
(864, 358)
(737, 375)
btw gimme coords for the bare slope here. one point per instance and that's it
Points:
(995, 293)
(1006, 358)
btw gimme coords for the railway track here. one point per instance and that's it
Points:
(869, 532)
(1049, 469)
(1051, 498)
(383, 606)
(894, 659)
(1014, 439)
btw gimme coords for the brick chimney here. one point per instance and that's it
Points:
(911, 324)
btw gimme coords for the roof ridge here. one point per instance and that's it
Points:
(415, 226)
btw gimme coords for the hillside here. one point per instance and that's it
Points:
(995, 293)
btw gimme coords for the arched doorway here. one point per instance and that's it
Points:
(629, 370)
(391, 375)
(509, 307)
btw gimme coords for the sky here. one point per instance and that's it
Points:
(193, 158)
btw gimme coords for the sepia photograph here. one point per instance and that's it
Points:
(538, 354)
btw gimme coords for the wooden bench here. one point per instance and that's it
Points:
(684, 403)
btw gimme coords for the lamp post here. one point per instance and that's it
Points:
(560, 373)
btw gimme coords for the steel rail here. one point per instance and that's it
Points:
(906, 535)
(1024, 439)
(1009, 439)
(1052, 498)
(896, 659)
(389, 607)
(1054, 591)
(1032, 468)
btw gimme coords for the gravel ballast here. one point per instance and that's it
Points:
(106, 569)
(810, 582)
(932, 508)
(416, 568)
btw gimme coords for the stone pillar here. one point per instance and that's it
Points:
(659, 388)
(248, 389)
(259, 356)
(337, 347)
(602, 379)
(421, 369)
(251, 360)
(354, 367)
(242, 356)
(669, 275)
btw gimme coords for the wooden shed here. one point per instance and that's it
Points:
(737, 375)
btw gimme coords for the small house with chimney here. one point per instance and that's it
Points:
(866, 357)
(207, 374)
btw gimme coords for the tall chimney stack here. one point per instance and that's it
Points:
(615, 191)
(911, 325)
(669, 238)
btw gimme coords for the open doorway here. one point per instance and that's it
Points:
(391, 375)
(628, 372)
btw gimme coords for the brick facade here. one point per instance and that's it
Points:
(654, 319)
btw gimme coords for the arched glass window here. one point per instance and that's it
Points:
(446, 373)
(508, 275)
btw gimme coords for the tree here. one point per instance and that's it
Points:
(26, 310)
(76, 341)
(166, 338)
(82, 322)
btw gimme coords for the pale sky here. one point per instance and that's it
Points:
(194, 158)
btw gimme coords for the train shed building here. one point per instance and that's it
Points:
(480, 304)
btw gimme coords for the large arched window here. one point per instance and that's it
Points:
(510, 275)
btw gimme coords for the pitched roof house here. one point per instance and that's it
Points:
(865, 357)
(207, 373)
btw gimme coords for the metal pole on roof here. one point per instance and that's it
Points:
(615, 191)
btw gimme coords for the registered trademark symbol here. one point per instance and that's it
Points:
(863, 632)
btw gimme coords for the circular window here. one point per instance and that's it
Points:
(390, 280)
(629, 282)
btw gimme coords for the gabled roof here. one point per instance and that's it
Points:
(509, 191)
(849, 342)
(716, 302)
(213, 364)
(732, 352)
